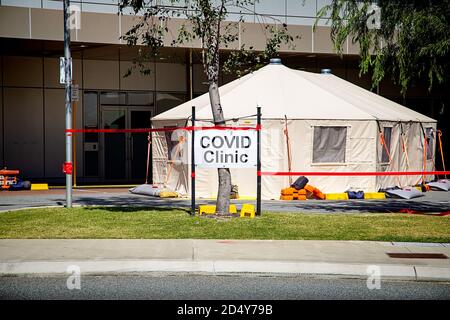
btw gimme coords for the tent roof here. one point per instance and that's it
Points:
(281, 91)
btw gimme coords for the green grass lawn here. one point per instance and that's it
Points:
(145, 223)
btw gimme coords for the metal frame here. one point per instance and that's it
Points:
(258, 163)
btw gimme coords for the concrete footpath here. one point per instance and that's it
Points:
(341, 258)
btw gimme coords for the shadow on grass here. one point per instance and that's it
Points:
(377, 206)
(134, 203)
(139, 208)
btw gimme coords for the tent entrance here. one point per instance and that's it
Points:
(124, 155)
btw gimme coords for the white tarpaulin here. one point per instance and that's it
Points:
(333, 125)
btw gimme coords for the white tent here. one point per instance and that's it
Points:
(333, 126)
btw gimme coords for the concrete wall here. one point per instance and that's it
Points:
(107, 28)
(99, 74)
(171, 77)
(24, 131)
(136, 81)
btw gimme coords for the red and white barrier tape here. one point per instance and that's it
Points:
(144, 130)
(345, 174)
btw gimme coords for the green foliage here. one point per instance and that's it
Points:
(204, 21)
(411, 42)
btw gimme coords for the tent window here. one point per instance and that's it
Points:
(171, 144)
(387, 134)
(176, 144)
(430, 142)
(329, 144)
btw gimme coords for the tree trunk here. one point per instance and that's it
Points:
(223, 194)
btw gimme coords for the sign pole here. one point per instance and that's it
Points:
(193, 164)
(258, 162)
(74, 139)
(68, 103)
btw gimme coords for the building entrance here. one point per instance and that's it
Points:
(124, 155)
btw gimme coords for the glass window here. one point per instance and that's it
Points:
(323, 3)
(140, 98)
(245, 9)
(329, 144)
(270, 7)
(22, 3)
(113, 119)
(430, 143)
(58, 4)
(386, 145)
(52, 4)
(112, 98)
(166, 101)
(102, 6)
(304, 8)
(90, 109)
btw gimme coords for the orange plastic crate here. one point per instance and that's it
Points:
(288, 191)
(318, 194)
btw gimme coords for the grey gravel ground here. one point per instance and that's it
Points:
(195, 287)
(433, 201)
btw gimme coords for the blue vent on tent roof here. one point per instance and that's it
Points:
(275, 61)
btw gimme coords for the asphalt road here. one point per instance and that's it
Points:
(434, 201)
(206, 287)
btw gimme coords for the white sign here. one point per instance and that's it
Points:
(75, 92)
(225, 148)
(62, 71)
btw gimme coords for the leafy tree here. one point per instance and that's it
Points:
(204, 20)
(408, 39)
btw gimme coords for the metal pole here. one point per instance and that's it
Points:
(193, 164)
(68, 80)
(74, 142)
(258, 162)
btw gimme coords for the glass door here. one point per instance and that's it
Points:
(139, 144)
(114, 149)
(124, 155)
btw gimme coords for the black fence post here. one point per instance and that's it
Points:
(193, 163)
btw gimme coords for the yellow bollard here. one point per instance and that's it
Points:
(39, 186)
(211, 209)
(336, 196)
(248, 210)
(206, 209)
(374, 195)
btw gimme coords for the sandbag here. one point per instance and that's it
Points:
(168, 194)
(443, 185)
(300, 183)
(355, 194)
(146, 190)
(406, 193)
